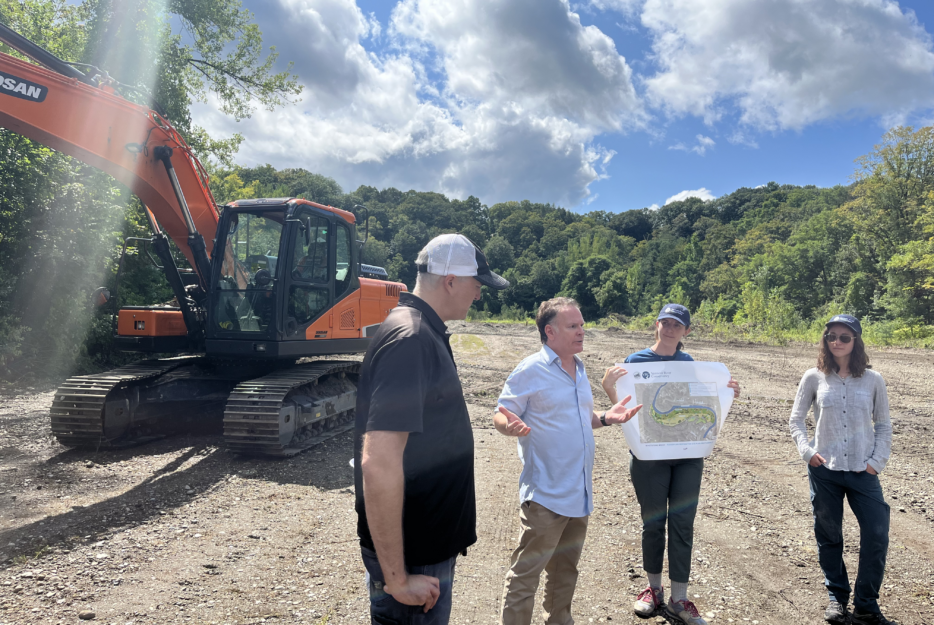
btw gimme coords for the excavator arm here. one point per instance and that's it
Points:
(243, 378)
(132, 143)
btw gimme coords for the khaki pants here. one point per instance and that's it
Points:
(547, 542)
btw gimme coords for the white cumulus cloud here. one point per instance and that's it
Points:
(517, 99)
(627, 7)
(503, 100)
(703, 143)
(788, 63)
(701, 193)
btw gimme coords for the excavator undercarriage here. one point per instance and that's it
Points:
(263, 410)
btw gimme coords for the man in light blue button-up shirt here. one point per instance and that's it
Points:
(547, 403)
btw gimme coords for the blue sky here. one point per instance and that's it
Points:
(589, 104)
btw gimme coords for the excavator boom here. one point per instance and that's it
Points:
(114, 135)
(286, 283)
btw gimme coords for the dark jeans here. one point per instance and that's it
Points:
(667, 491)
(384, 610)
(864, 493)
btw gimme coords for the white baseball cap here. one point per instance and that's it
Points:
(456, 255)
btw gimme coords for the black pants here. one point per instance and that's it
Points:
(864, 493)
(667, 491)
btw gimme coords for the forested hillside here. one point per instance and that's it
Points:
(769, 262)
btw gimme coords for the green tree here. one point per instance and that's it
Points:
(61, 221)
(584, 281)
(219, 51)
(635, 224)
(375, 252)
(910, 287)
(499, 253)
(765, 311)
(612, 296)
(894, 184)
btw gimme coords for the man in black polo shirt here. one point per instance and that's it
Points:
(413, 453)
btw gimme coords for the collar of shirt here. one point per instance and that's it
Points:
(413, 301)
(550, 357)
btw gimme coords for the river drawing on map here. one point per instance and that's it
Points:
(678, 412)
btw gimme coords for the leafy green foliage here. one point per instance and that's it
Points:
(58, 230)
(215, 52)
(62, 223)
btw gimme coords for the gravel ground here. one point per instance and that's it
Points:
(181, 531)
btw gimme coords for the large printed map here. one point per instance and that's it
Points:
(678, 411)
(684, 407)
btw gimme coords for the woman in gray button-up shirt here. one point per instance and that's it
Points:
(851, 444)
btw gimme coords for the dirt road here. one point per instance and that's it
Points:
(181, 531)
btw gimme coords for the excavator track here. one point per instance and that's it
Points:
(77, 412)
(287, 411)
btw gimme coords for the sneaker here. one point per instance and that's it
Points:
(870, 618)
(649, 601)
(835, 612)
(685, 611)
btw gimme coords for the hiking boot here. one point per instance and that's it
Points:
(649, 601)
(684, 611)
(870, 618)
(835, 612)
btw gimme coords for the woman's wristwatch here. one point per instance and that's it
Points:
(603, 419)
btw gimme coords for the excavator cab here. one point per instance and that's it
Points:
(281, 267)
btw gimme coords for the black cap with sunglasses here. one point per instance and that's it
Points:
(849, 321)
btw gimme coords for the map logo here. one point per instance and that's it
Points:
(646, 375)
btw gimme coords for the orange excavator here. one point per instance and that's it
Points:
(263, 323)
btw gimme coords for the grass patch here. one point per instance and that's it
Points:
(468, 343)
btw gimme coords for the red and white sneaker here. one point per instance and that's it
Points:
(684, 611)
(649, 601)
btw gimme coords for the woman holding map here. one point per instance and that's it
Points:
(667, 490)
(851, 444)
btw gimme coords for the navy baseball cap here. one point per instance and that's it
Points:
(677, 312)
(849, 321)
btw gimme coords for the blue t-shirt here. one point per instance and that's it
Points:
(647, 355)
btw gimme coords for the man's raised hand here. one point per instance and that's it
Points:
(514, 425)
(620, 413)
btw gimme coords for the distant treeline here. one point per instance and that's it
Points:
(768, 263)
(770, 260)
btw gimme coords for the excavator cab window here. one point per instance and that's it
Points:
(342, 273)
(246, 300)
(310, 259)
(309, 294)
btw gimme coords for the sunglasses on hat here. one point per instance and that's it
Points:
(833, 338)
